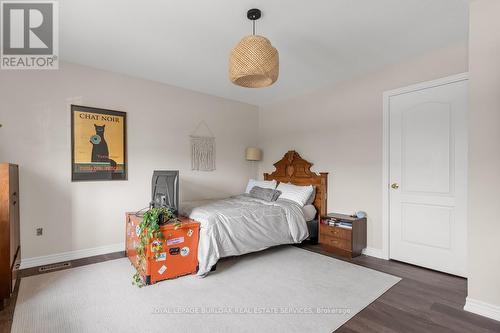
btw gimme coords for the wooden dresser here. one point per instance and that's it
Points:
(10, 250)
(342, 241)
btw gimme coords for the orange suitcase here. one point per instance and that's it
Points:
(179, 255)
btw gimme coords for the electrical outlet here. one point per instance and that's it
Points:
(39, 231)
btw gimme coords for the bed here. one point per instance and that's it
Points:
(242, 224)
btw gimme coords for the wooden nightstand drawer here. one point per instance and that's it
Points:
(335, 232)
(336, 242)
(343, 241)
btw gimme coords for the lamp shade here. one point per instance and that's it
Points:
(253, 154)
(254, 63)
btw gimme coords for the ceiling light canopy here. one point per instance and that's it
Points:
(254, 62)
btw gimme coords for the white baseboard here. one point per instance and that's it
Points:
(377, 253)
(482, 308)
(71, 255)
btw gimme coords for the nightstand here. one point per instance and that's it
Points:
(343, 241)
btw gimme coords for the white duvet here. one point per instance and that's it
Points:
(242, 224)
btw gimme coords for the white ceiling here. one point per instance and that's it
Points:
(186, 42)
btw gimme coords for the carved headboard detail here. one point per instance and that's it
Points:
(294, 169)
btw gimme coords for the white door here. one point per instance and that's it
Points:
(428, 177)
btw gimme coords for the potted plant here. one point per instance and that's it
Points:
(150, 230)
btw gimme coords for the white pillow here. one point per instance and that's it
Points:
(261, 183)
(311, 199)
(298, 194)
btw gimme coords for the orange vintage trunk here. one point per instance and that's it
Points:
(179, 255)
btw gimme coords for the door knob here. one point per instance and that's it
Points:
(395, 186)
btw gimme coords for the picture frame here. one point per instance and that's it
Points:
(98, 144)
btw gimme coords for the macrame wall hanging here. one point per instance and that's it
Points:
(202, 150)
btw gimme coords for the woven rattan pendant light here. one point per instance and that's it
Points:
(254, 62)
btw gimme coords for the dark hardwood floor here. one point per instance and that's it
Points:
(423, 301)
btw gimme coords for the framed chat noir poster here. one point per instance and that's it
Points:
(98, 144)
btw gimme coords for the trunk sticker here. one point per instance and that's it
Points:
(137, 230)
(174, 241)
(185, 251)
(162, 269)
(156, 246)
(161, 256)
(190, 233)
(173, 251)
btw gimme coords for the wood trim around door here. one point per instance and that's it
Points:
(385, 146)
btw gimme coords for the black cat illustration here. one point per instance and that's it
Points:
(100, 152)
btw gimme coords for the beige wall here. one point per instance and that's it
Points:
(484, 155)
(339, 129)
(36, 135)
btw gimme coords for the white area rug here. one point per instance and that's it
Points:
(279, 290)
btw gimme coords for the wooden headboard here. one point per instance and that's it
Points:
(294, 169)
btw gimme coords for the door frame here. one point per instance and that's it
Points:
(385, 147)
